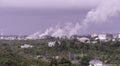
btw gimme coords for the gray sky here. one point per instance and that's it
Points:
(29, 16)
(50, 3)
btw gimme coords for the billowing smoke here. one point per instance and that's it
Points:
(104, 11)
(47, 32)
(67, 30)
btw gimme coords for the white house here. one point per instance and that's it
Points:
(84, 39)
(94, 35)
(51, 44)
(12, 37)
(8, 37)
(96, 63)
(118, 36)
(105, 37)
(26, 46)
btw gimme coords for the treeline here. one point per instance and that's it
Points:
(12, 55)
(108, 52)
(9, 56)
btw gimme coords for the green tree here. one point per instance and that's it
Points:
(85, 61)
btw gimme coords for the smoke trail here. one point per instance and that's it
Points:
(103, 12)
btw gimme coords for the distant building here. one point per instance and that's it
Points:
(105, 37)
(12, 37)
(118, 36)
(96, 63)
(94, 35)
(31, 37)
(51, 44)
(113, 39)
(84, 39)
(8, 37)
(94, 38)
(37, 35)
(26, 46)
(21, 37)
(94, 42)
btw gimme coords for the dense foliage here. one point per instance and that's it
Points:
(12, 55)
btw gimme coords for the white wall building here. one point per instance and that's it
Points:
(84, 39)
(118, 36)
(94, 35)
(95, 63)
(5, 37)
(26, 46)
(105, 37)
(12, 37)
(51, 44)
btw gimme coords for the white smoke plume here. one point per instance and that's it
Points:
(68, 30)
(47, 32)
(104, 11)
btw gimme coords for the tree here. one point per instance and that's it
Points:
(65, 61)
(53, 62)
(85, 61)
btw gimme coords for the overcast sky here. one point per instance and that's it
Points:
(29, 16)
(50, 3)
